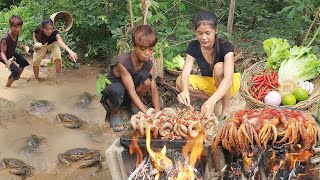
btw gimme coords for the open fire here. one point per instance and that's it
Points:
(159, 166)
(258, 144)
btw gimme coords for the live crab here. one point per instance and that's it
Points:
(93, 157)
(16, 167)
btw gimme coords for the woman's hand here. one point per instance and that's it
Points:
(207, 109)
(38, 46)
(25, 49)
(184, 98)
(74, 56)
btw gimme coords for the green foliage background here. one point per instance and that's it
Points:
(101, 28)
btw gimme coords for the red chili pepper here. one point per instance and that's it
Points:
(260, 85)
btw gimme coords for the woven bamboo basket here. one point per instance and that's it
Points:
(174, 73)
(311, 104)
(65, 16)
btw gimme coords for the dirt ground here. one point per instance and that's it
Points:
(16, 123)
(63, 90)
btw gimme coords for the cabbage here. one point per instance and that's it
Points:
(302, 65)
(174, 64)
(277, 51)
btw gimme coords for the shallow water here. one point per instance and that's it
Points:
(64, 92)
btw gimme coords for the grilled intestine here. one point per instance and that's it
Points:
(173, 124)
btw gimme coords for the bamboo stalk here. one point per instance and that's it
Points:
(130, 13)
(314, 36)
(145, 11)
(311, 25)
(231, 16)
(106, 6)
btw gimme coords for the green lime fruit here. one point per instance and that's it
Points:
(300, 94)
(288, 99)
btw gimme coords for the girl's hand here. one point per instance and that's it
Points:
(184, 98)
(74, 56)
(37, 46)
(206, 109)
(26, 49)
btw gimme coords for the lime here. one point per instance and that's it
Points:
(288, 99)
(300, 94)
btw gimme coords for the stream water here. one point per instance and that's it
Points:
(63, 91)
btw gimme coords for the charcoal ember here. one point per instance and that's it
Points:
(175, 155)
(315, 160)
(177, 158)
(269, 159)
(233, 171)
(281, 150)
(299, 168)
(282, 174)
(253, 172)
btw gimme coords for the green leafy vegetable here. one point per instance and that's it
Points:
(101, 83)
(277, 51)
(175, 64)
(302, 65)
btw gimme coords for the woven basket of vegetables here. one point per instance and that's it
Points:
(173, 72)
(310, 104)
(174, 66)
(289, 77)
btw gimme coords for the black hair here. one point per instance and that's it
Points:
(15, 20)
(46, 22)
(209, 18)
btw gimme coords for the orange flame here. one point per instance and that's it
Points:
(135, 149)
(184, 173)
(275, 168)
(271, 161)
(159, 159)
(192, 151)
(298, 157)
(247, 160)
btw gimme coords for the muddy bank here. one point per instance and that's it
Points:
(17, 123)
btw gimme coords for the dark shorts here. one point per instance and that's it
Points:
(15, 71)
(117, 94)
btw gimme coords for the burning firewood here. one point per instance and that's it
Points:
(181, 166)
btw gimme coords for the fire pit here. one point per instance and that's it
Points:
(175, 151)
(161, 158)
(238, 151)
